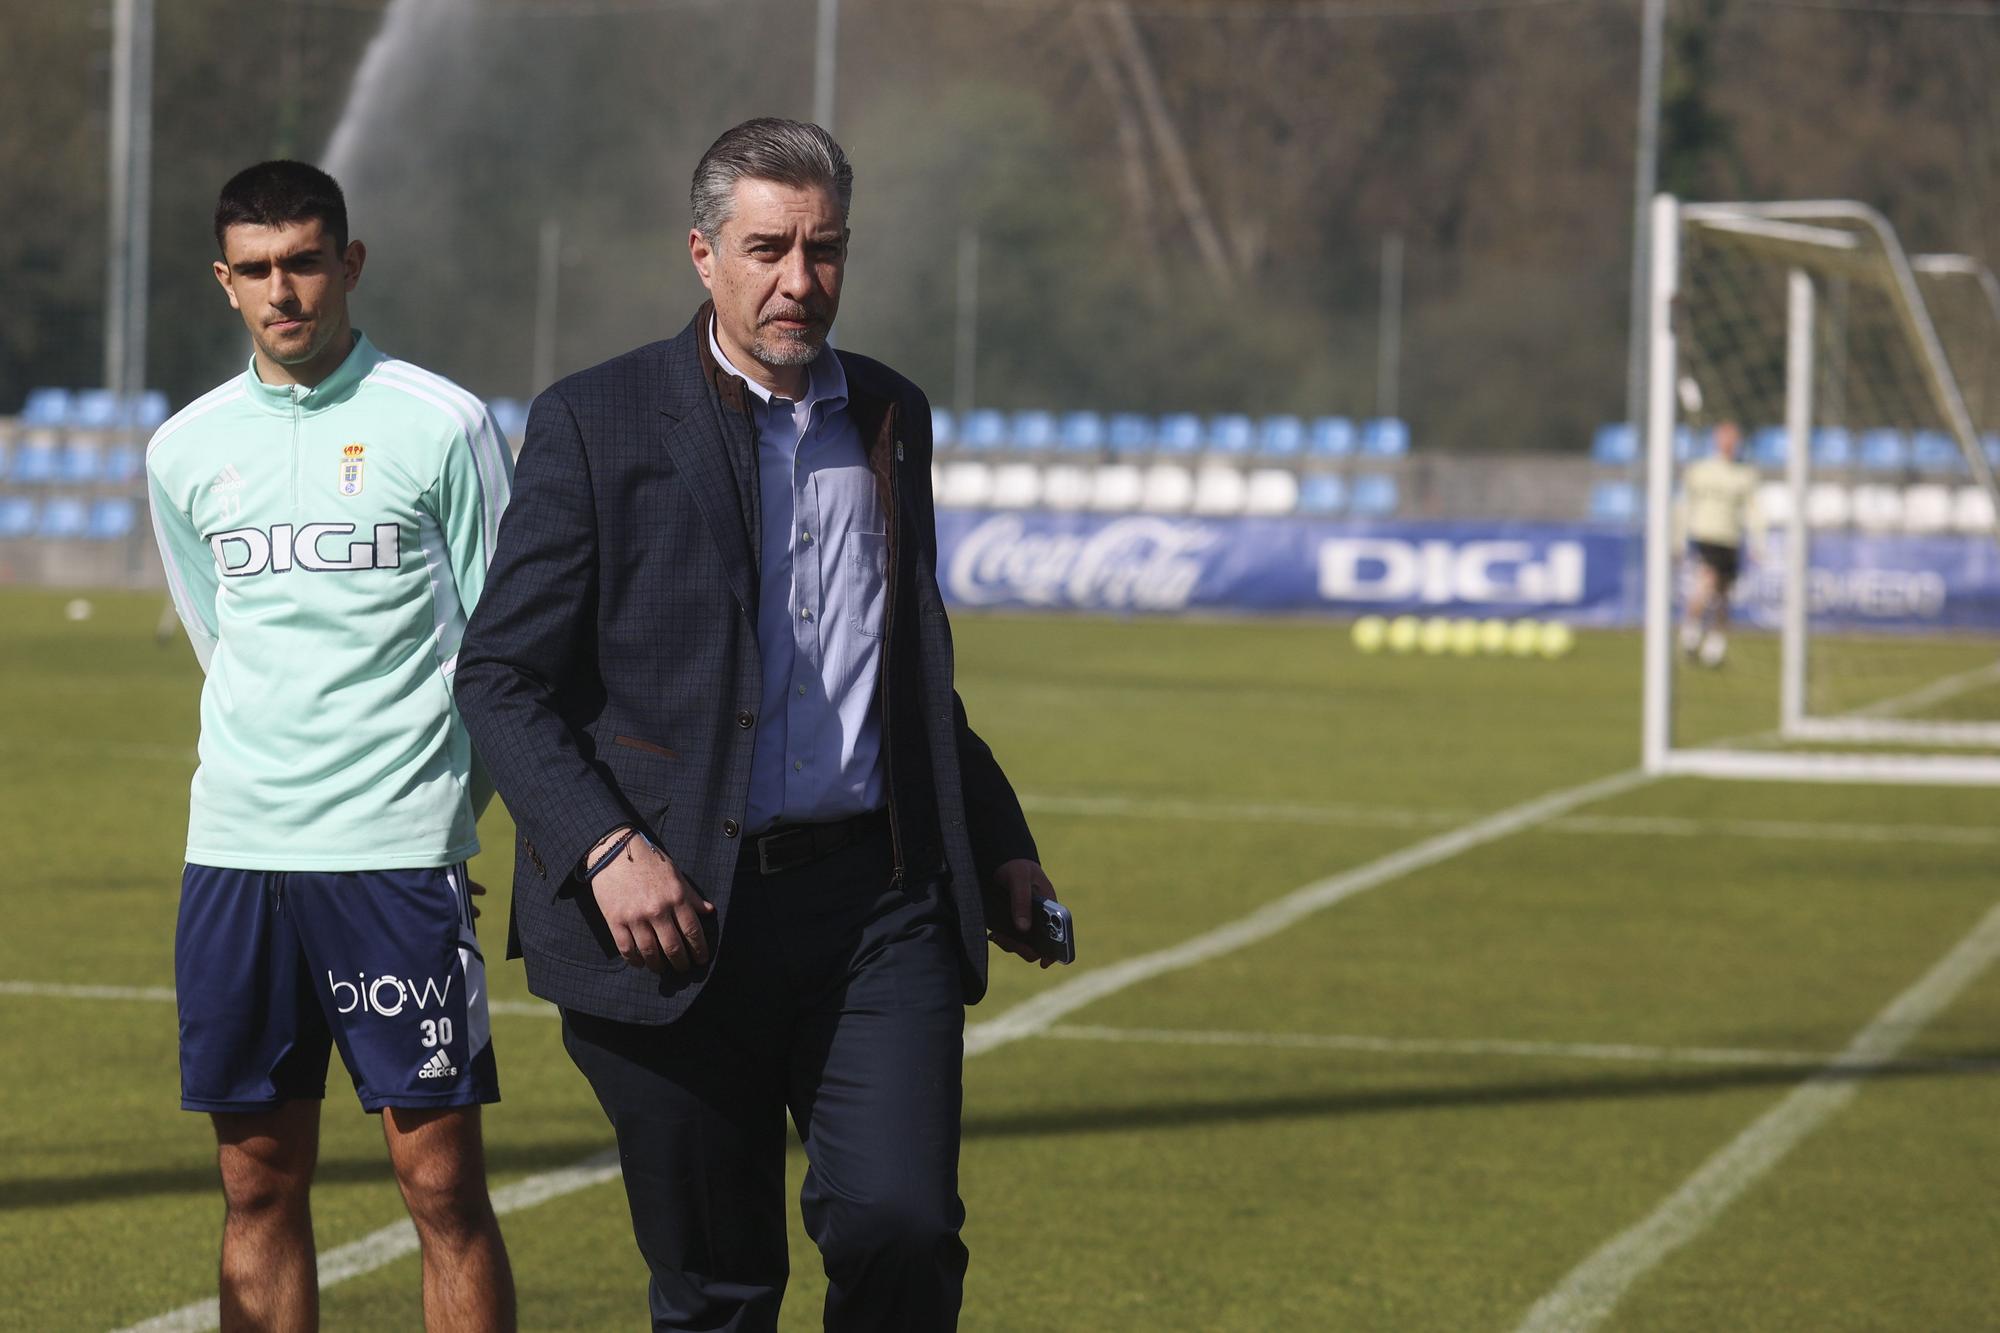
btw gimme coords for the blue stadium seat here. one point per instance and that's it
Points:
(1281, 437)
(942, 428)
(1935, 452)
(46, 407)
(1179, 433)
(1322, 493)
(1614, 502)
(1832, 446)
(1080, 433)
(983, 428)
(1767, 447)
(1034, 431)
(96, 409)
(1231, 433)
(1374, 496)
(78, 465)
(1615, 444)
(1385, 437)
(64, 517)
(1690, 444)
(151, 411)
(510, 415)
(1884, 451)
(1129, 433)
(123, 463)
(35, 463)
(1330, 437)
(111, 520)
(17, 516)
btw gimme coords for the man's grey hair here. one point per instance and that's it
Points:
(788, 152)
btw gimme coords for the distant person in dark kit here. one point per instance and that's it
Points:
(762, 851)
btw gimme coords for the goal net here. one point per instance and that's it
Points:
(1859, 389)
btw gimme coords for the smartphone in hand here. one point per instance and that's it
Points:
(1054, 933)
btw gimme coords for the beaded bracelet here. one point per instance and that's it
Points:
(610, 855)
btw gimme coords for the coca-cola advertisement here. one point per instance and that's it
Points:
(1173, 563)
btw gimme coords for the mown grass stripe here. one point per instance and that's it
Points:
(1023, 1020)
(1587, 1296)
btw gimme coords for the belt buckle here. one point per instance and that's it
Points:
(770, 865)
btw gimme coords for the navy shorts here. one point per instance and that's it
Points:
(274, 968)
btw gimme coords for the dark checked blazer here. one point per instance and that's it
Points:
(611, 675)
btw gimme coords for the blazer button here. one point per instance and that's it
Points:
(746, 719)
(730, 828)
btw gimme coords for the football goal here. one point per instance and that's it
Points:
(1821, 567)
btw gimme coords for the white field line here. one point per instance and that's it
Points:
(1592, 1290)
(1303, 1041)
(400, 1238)
(1784, 830)
(1026, 1019)
(1390, 816)
(1029, 1018)
(1306, 1041)
(1033, 1015)
(1341, 1041)
(55, 990)
(1935, 693)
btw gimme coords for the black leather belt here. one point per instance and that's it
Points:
(789, 846)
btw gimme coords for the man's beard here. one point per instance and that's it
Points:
(787, 349)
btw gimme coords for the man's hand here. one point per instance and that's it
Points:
(478, 890)
(1010, 901)
(654, 914)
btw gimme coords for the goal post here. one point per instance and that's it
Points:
(1807, 325)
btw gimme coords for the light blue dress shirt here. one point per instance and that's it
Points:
(822, 597)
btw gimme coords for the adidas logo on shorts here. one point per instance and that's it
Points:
(437, 1067)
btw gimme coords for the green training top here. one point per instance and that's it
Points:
(324, 548)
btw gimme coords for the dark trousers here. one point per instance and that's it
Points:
(837, 997)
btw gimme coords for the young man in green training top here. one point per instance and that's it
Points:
(325, 520)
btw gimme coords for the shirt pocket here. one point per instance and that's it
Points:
(868, 581)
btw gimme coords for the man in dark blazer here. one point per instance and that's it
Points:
(762, 853)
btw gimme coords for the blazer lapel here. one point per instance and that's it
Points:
(713, 466)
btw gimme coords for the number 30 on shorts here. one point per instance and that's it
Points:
(437, 1031)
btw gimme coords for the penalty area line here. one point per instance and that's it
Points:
(398, 1239)
(1033, 1016)
(1592, 1290)
(1030, 1018)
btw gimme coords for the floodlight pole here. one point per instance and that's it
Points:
(131, 167)
(1645, 183)
(965, 358)
(825, 59)
(1389, 330)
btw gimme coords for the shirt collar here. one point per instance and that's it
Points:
(333, 389)
(826, 379)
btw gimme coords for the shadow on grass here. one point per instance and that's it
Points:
(1328, 1105)
(58, 1191)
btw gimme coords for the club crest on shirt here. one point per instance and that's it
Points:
(352, 457)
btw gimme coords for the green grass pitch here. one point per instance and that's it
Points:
(1392, 1115)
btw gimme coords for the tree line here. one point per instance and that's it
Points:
(1178, 204)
